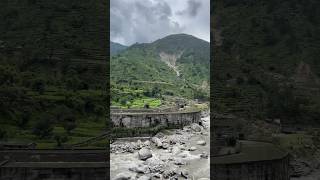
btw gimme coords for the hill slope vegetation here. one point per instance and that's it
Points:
(52, 71)
(266, 59)
(176, 65)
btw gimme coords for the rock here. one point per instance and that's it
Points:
(184, 173)
(168, 173)
(196, 127)
(139, 144)
(144, 154)
(129, 148)
(140, 169)
(299, 168)
(157, 141)
(204, 179)
(179, 161)
(155, 165)
(204, 155)
(175, 150)
(173, 139)
(165, 145)
(123, 176)
(183, 154)
(186, 129)
(159, 135)
(174, 178)
(205, 133)
(182, 147)
(144, 177)
(157, 175)
(147, 143)
(192, 148)
(201, 142)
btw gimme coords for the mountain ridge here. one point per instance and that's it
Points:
(116, 48)
(179, 59)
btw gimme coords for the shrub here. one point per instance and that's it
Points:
(3, 134)
(43, 128)
(61, 139)
(69, 123)
(39, 85)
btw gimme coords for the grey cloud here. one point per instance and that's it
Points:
(140, 21)
(192, 8)
(143, 21)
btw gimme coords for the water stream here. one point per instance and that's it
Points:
(196, 166)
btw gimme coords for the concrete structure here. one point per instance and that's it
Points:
(84, 164)
(153, 118)
(14, 145)
(244, 160)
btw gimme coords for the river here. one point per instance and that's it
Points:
(196, 165)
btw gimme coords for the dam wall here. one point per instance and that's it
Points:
(152, 119)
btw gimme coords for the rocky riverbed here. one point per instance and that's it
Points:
(174, 154)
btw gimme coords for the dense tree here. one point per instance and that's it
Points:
(43, 127)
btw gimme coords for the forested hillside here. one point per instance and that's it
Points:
(52, 70)
(266, 59)
(176, 65)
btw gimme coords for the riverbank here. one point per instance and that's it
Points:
(179, 153)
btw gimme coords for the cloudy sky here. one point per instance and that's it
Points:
(143, 21)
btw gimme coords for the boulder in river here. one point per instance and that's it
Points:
(204, 155)
(165, 145)
(123, 176)
(175, 150)
(157, 141)
(201, 142)
(157, 175)
(144, 154)
(192, 148)
(179, 161)
(147, 143)
(196, 127)
(155, 165)
(140, 169)
(144, 177)
(184, 173)
(159, 135)
(168, 173)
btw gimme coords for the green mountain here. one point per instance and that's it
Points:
(175, 65)
(52, 70)
(116, 48)
(266, 59)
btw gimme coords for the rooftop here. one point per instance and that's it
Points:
(252, 151)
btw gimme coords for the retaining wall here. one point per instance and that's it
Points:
(151, 119)
(259, 170)
(32, 164)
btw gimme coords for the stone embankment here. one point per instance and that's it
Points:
(152, 118)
